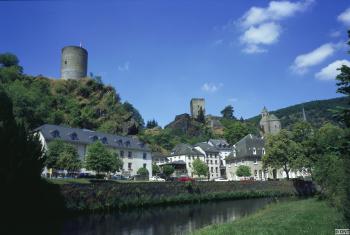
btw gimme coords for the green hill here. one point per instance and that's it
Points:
(85, 103)
(317, 112)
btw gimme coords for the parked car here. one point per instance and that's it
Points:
(118, 177)
(156, 178)
(185, 179)
(220, 179)
(85, 175)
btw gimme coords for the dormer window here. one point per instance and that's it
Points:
(55, 134)
(104, 140)
(93, 138)
(120, 142)
(73, 136)
(127, 143)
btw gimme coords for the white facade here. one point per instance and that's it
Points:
(188, 159)
(213, 162)
(133, 159)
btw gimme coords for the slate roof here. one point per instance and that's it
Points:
(220, 144)
(245, 147)
(84, 136)
(207, 147)
(184, 149)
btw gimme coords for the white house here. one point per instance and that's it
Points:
(134, 153)
(211, 158)
(187, 154)
(224, 151)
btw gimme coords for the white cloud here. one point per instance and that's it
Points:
(276, 10)
(335, 34)
(261, 25)
(266, 33)
(124, 67)
(253, 49)
(344, 17)
(317, 56)
(210, 87)
(330, 71)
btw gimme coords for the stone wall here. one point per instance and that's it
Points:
(108, 195)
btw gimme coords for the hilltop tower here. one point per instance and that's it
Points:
(196, 105)
(74, 62)
(269, 124)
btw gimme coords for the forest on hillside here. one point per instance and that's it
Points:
(85, 103)
(317, 113)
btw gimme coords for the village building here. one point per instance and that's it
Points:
(134, 153)
(211, 158)
(187, 154)
(224, 151)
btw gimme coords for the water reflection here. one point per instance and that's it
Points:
(181, 219)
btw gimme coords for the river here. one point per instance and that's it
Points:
(181, 219)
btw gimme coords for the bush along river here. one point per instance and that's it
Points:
(181, 219)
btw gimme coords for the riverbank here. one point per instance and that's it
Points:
(106, 196)
(309, 216)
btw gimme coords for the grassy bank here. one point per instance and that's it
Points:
(309, 216)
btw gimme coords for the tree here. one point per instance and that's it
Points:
(282, 152)
(22, 155)
(227, 112)
(200, 168)
(235, 130)
(243, 171)
(61, 155)
(201, 117)
(8, 60)
(168, 170)
(143, 172)
(151, 124)
(100, 159)
(155, 169)
(69, 158)
(118, 161)
(344, 88)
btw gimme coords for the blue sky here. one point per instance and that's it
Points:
(158, 54)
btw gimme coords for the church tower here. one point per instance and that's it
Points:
(269, 124)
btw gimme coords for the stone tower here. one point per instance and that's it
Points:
(74, 62)
(196, 105)
(269, 124)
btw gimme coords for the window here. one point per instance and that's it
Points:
(120, 142)
(255, 173)
(144, 156)
(256, 161)
(55, 134)
(263, 151)
(104, 140)
(216, 169)
(73, 136)
(129, 165)
(93, 137)
(211, 161)
(207, 161)
(127, 143)
(65, 62)
(129, 154)
(216, 162)
(254, 151)
(144, 165)
(121, 153)
(212, 169)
